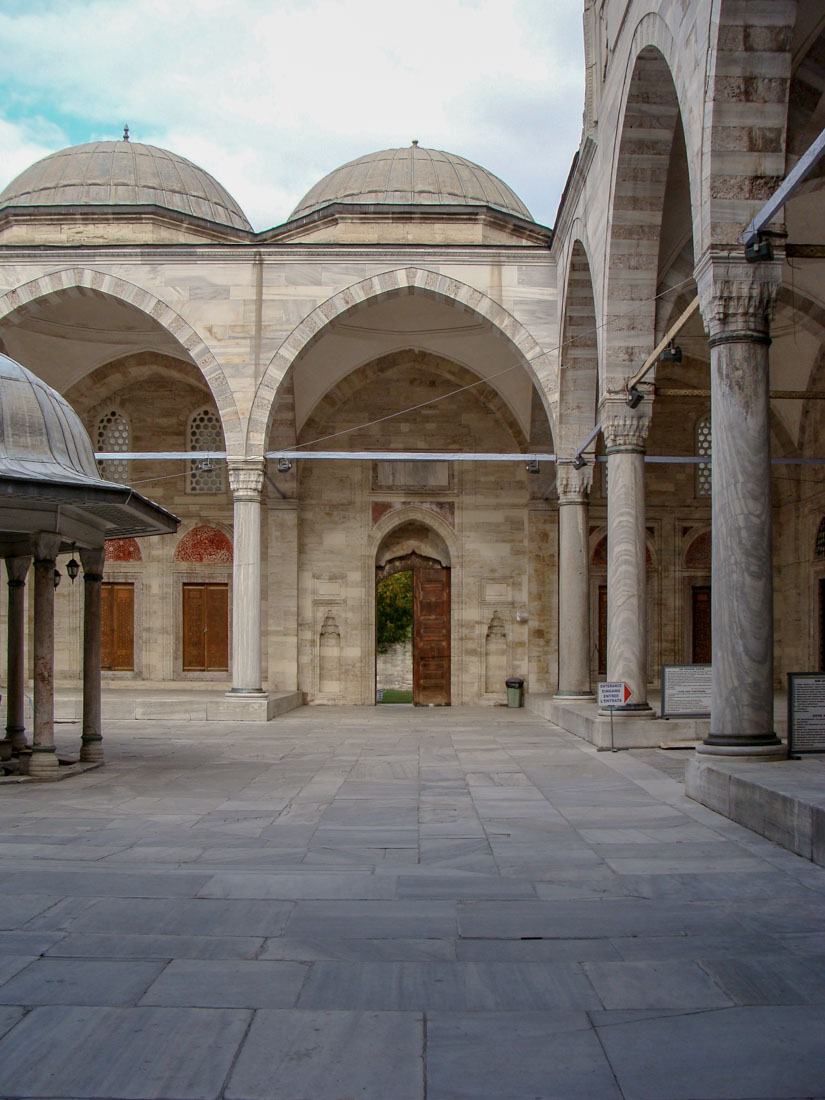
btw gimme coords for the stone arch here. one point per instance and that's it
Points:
(204, 544)
(642, 156)
(15, 302)
(413, 513)
(696, 550)
(743, 165)
(540, 364)
(449, 369)
(579, 355)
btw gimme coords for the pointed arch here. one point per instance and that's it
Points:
(14, 303)
(540, 365)
(579, 355)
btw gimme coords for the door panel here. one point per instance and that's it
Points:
(431, 637)
(205, 627)
(117, 631)
(700, 613)
(602, 642)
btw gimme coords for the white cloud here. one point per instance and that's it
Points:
(269, 96)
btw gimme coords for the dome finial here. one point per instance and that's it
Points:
(415, 142)
(126, 132)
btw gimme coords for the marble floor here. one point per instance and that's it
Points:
(397, 904)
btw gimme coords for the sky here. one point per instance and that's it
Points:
(270, 95)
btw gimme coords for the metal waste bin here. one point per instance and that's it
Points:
(515, 692)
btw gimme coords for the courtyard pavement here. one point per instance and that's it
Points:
(397, 904)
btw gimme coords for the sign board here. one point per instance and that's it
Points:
(614, 695)
(686, 691)
(806, 712)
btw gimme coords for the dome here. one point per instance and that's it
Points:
(116, 173)
(412, 175)
(41, 436)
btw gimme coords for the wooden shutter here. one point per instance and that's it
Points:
(431, 637)
(205, 627)
(117, 634)
(602, 669)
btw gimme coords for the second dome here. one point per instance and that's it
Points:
(412, 175)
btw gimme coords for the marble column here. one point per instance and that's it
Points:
(91, 740)
(17, 569)
(43, 763)
(737, 300)
(625, 431)
(246, 479)
(574, 582)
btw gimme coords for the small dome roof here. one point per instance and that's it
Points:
(412, 175)
(41, 436)
(115, 173)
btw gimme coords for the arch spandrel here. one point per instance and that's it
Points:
(579, 353)
(541, 365)
(67, 279)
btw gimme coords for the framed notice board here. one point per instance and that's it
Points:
(806, 712)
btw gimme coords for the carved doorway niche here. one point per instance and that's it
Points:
(416, 548)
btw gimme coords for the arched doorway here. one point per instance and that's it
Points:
(415, 548)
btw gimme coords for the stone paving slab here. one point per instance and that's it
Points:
(243, 915)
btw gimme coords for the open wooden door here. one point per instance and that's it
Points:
(431, 636)
(117, 627)
(205, 627)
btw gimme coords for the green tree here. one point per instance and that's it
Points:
(394, 610)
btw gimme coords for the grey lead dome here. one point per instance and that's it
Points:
(412, 175)
(116, 173)
(41, 436)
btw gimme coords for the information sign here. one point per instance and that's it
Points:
(614, 695)
(686, 691)
(806, 712)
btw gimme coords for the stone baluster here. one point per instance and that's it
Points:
(91, 741)
(43, 761)
(574, 582)
(737, 300)
(625, 431)
(246, 479)
(17, 569)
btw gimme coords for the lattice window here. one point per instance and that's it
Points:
(704, 449)
(113, 435)
(819, 546)
(205, 434)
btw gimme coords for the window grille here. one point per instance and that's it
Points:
(113, 435)
(819, 548)
(205, 434)
(704, 449)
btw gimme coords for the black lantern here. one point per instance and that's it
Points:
(72, 566)
(58, 576)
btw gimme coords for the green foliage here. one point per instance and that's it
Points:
(394, 611)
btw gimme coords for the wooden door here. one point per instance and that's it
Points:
(602, 630)
(700, 617)
(431, 637)
(822, 626)
(205, 627)
(117, 627)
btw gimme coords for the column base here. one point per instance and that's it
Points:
(629, 710)
(91, 750)
(574, 697)
(5, 749)
(43, 764)
(16, 736)
(760, 747)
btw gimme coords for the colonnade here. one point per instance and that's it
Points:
(737, 301)
(41, 756)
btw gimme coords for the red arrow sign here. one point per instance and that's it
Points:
(627, 693)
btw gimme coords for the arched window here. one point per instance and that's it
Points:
(704, 449)
(205, 434)
(113, 435)
(819, 546)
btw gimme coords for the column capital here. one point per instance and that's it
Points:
(17, 570)
(623, 428)
(46, 546)
(737, 299)
(92, 559)
(573, 485)
(246, 478)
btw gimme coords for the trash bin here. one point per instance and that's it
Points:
(515, 692)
